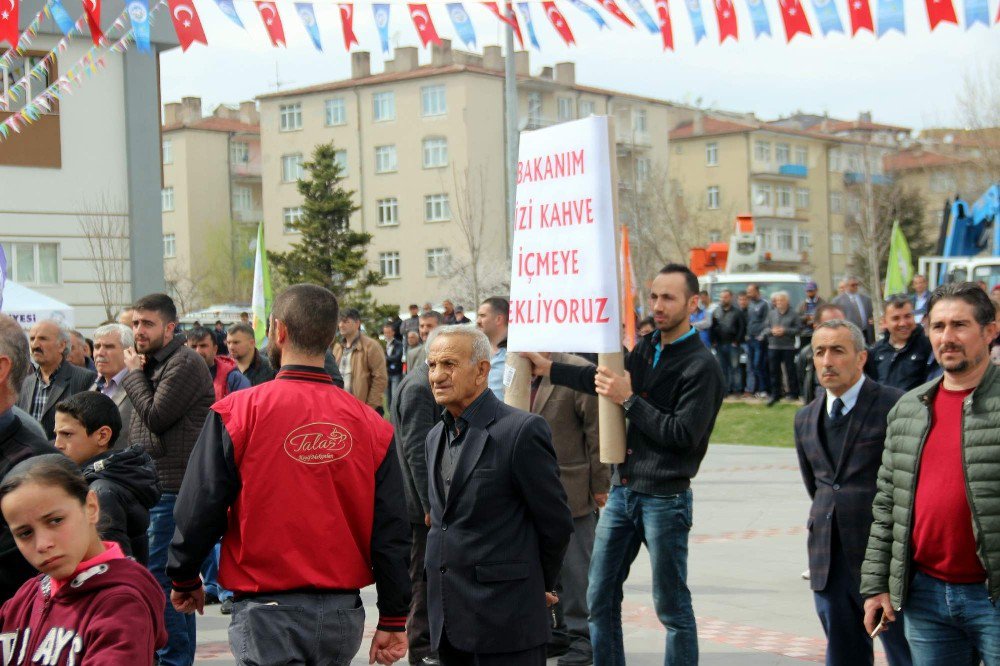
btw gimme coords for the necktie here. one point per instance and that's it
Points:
(838, 409)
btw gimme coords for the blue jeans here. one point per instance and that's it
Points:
(948, 624)
(661, 522)
(757, 365)
(210, 574)
(181, 638)
(729, 360)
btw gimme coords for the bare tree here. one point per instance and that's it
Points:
(104, 225)
(185, 289)
(979, 105)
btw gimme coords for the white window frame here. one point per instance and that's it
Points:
(290, 162)
(386, 160)
(290, 216)
(837, 203)
(14, 250)
(290, 117)
(239, 152)
(242, 198)
(836, 243)
(437, 208)
(535, 107)
(335, 111)
(437, 259)
(168, 151)
(435, 152)
(801, 156)
(388, 264)
(387, 214)
(762, 151)
(433, 101)
(565, 110)
(783, 153)
(802, 198)
(167, 199)
(713, 199)
(767, 191)
(804, 240)
(784, 239)
(712, 153)
(587, 108)
(643, 169)
(784, 196)
(340, 157)
(169, 246)
(640, 121)
(383, 106)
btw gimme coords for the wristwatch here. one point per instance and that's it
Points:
(627, 405)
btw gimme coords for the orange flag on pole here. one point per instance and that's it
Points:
(628, 291)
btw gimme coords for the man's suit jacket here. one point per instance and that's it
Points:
(496, 544)
(413, 413)
(125, 409)
(415, 357)
(572, 416)
(69, 380)
(843, 493)
(846, 303)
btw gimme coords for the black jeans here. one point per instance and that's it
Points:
(776, 359)
(418, 630)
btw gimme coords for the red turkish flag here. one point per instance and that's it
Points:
(423, 23)
(186, 23)
(272, 22)
(726, 14)
(615, 10)
(509, 20)
(666, 29)
(861, 16)
(347, 22)
(794, 18)
(93, 10)
(9, 31)
(941, 11)
(559, 22)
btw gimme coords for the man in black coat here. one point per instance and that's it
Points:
(500, 522)
(901, 358)
(393, 361)
(839, 438)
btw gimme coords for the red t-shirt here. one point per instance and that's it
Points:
(944, 545)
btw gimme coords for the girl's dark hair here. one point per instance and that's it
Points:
(52, 469)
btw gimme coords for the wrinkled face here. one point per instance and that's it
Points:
(426, 325)
(900, 322)
(53, 530)
(669, 301)
(838, 364)
(151, 331)
(448, 307)
(960, 343)
(412, 338)
(109, 356)
(920, 284)
(72, 439)
(46, 345)
(240, 345)
(349, 327)
(206, 348)
(455, 379)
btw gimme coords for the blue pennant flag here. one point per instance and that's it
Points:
(229, 9)
(891, 16)
(697, 20)
(381, 12)
(138, 14)
(61, 16)
(463, 24)
(308, 16)
(829, 19)
(523, 8)
(758, 16)
(644, 16)
(976, 11)
(591, 12)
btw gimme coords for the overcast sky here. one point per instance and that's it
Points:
(909, 80)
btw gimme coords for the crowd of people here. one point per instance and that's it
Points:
(153, 470)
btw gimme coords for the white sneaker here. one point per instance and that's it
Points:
(805, 575)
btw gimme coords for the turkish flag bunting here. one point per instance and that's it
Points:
(861, 16)
(424, 25)
(272, 22)
(93, 10)
(940, 11)
(186, 23)
(794, 18)
(8, 22)
(615, 10)
(347, 22)
(726, 14)
(666, 30)
(559, 22)
(509, 20)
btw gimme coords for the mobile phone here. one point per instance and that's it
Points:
(880, 627)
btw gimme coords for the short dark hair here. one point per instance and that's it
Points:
(93, 410)
(160, 304)
(983, 309)
(827, 307)
(690, 279)
(896, 301)
(743, 292)
(310, 313)
(199, 333)
(433, 314)
(648, 321)
(499, 305)
(51, 469)
(414, 306)
(241, 328)
(218, 322)
(725, 291)
(703, 292)
(351, 313)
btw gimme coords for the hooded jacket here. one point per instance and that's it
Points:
(127, 488)
(226, 377)
(111, 613)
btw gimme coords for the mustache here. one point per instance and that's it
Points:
(950, 347)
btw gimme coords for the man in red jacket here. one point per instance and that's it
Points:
(226, 375)
(303, 481)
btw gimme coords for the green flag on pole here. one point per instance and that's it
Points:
(899, 271)
(261, 303)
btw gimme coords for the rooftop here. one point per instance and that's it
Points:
(918, 158)
(711, 126)
(213, 124)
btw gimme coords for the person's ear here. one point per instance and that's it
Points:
(104, 436)
(92, 508)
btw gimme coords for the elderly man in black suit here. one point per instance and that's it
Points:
(500, 522)
(839, 438)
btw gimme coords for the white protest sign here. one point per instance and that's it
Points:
(564, 282)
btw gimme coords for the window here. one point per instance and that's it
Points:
(766, 238)
(167, 199)
(33, 263)
(802, 197)
(385, 159)
(169, 246)
(436, 208)
(762, 151)
(833, 160)
(388, 264)
(762, 195)
(639, 118)
(437, 261)
(855, 243)
(242, 198)
(435, 152)
(713, 197)
(388, 212)
(291, 117)
(432, 101)
(239, 152)
(642, 169)
(340, 159)
(805, 240)
(586, 108)
(13, 73)
(784, 239)
(566, 109)
(836, 202)
(801, 155)
(168, 151)
(336, 112)
(837, 243)
(291, 167)
(289, 218)
(782, 153)
(534, 108)
(854, 205)
(384, 106)
(712, 154)
(714, 236)
(784, 196)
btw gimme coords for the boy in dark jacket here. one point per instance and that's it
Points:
(125, 482)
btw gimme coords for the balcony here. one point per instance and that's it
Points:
(245, 170)
(774, 169)
(855, 177)
(252, 216)
(628, 140)
(767, 210)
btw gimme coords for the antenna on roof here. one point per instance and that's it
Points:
(277, 79)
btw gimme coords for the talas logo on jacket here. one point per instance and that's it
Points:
(318, 443)
(49, 651)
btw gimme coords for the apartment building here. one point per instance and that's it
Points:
(211, 200)
(938, 177)
(422, 146)
(79, 215)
